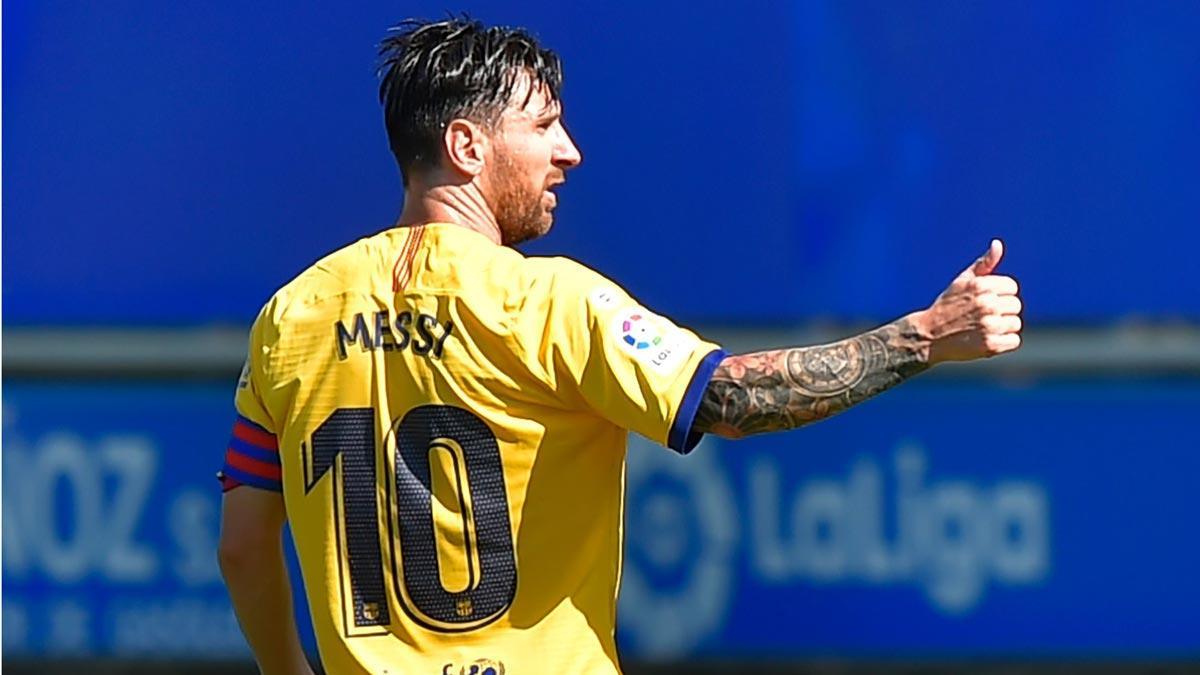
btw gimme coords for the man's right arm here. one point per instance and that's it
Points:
(252, 562)
(976, 317)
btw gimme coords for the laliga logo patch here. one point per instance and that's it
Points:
(639, 333)
(652, 339)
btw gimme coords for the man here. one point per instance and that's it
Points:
(446, 418)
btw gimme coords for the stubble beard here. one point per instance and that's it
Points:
(519, 211)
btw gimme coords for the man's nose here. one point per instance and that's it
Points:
(566, 155)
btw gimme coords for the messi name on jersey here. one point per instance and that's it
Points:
(420, 332)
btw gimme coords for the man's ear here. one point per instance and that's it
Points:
(466, 145)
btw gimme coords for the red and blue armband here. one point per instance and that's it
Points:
(252, 458)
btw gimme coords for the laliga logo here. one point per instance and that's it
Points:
(682, 526)
(951, 538)
(637, 332)
(652, 339)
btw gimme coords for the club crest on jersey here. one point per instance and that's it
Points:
(652, 339)
(477, 667)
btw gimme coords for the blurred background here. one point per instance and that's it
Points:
(768, 173)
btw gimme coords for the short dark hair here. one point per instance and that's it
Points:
(434, 72)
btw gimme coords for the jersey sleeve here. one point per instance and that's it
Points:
(630, 365)
(252, 454)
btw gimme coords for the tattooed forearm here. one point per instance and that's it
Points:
(787, 388)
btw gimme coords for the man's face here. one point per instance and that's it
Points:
(530, 155)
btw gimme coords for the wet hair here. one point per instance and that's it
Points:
(434, 72)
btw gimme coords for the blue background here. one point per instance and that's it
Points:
(1116, 466)
(174, 163)
(175, 435)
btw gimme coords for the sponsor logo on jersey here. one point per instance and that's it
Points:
(476, 667)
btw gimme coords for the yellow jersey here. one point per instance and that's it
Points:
(447, 420)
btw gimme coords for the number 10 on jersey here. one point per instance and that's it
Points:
(464, 502)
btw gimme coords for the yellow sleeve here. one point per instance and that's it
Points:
(631, 366)
(252, 454)
(249, 397)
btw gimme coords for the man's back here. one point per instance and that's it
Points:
(451, 422)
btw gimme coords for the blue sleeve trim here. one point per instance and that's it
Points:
(252, 480)
(253, 452)
(681, 439)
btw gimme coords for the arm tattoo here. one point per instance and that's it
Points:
(788, 388)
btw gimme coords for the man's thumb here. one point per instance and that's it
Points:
(987, 262)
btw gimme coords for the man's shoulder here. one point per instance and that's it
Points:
(355, 265)
(560, 274)
(350, 267)
(566, 292)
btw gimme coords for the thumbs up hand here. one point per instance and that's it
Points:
(977, 316)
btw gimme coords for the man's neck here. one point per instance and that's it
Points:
(461, 204)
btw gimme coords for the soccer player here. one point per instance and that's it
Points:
(442, 420)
